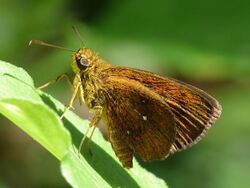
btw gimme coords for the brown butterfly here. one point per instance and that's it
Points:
(144, 113)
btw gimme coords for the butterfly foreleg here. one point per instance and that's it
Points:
(70, 105)
(65, 75)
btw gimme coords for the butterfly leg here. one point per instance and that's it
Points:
(65, 75)
(77, 90)
(69, 79)
(70, 105)
(97, 110)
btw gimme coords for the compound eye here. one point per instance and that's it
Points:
(82, 63)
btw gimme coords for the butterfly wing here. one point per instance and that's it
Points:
(194, 110)
(138, 120)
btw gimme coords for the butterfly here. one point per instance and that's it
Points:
(144, 113)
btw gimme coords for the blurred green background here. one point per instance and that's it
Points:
(205, 43)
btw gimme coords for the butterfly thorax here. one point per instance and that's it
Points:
(88, 67)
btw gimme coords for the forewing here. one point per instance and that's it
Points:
(138, 120)
(195, 111)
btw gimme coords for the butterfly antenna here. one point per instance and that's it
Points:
(39, 42)
(78, 35)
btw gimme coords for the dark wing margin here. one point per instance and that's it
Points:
(138, 121)
(194, 110)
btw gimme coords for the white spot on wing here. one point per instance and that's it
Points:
(145, 118)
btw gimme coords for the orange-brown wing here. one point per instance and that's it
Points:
(195, 111)
(138, 121)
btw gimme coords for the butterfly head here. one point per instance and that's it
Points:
(83, 59)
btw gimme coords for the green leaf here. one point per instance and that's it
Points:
(75, 171)
(16, 83)
(36, 113)
(30, 117)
